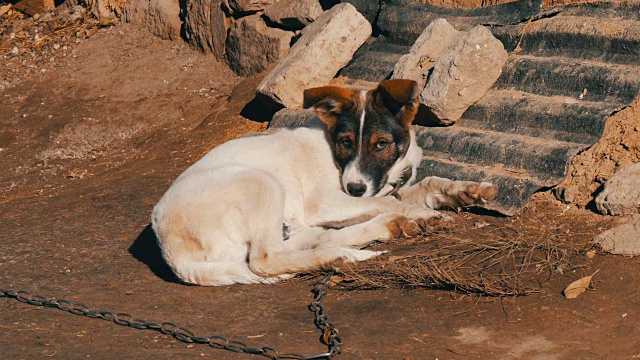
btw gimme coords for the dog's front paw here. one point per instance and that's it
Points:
(401, 226)
(473, 193)
(457, 194)
(424, 216)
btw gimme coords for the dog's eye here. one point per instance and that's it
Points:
(346, 142)
(381, 145)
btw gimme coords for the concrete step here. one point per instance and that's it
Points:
(564, 76)
(546, 117)
(514, 188)
(544, 161)
(402, 21)
(605, 39)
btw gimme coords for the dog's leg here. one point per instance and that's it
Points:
(208, 227)
(339, 210)
(277, 263)
(383, 227)
(261, 199)
(436, 192)
(207, 273)
(271, 255)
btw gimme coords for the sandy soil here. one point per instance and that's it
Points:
(618, 148)
(89, 147)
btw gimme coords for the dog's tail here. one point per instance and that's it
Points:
(207, 273)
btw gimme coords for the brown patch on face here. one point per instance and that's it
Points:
(375, 143)
(345, 144)
(382, 146)
(328, 102)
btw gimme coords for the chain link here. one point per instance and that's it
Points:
(328, 337)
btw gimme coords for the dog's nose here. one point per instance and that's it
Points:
(356, 189)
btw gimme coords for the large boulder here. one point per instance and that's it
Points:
(239, 7)
(463, 74)
(434, 41)
(161, 17)
(293, 14)
(291, 118)
(621, 193)
(206, 26)
(621, 240)
(325, 47)
(252, 46)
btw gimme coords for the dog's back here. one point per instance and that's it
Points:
(219, 191)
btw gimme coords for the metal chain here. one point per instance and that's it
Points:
(329, 332)
(330, 335)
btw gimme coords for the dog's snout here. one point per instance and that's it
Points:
(356, 189)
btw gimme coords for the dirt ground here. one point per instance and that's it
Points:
(89, 146)
(618, 148)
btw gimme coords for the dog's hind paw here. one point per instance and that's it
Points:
(362, 255)
(425, 216)
(401, 226)
(351, 256)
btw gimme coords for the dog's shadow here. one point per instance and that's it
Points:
(146, 250)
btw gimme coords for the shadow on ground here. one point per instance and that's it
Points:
(146, 250)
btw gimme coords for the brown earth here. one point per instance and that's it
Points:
(619, 147)
(89, 147)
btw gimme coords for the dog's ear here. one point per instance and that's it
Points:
(328, 102)
(399, 97)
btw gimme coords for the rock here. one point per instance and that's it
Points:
(161, 17)
(621, 240)
(252, 46)
(293, 14)
(291, 118)
(5, 9)
(368, 8)
(434, 41)
(247, 6)
(164, 18)
(206, 26)
(104, 10)
(34, 7)
(621, 194)
(566, 194)
(325, 47)
(464, 74)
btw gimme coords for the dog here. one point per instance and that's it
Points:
(261, 209)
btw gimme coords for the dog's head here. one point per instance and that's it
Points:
(370, 133)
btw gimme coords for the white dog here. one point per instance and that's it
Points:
(258, 209)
